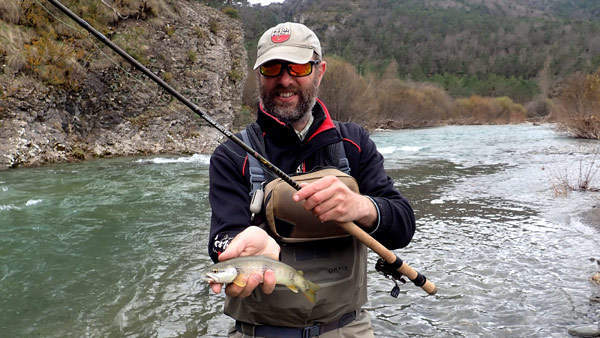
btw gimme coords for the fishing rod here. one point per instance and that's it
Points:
(392, 264)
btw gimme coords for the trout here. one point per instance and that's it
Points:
(236, 270)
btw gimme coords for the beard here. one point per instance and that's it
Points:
(289, 112)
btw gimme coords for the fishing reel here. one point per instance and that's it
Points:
(390, 272)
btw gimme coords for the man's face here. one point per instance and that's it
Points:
(287, 97)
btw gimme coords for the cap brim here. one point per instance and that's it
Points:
(286, 53)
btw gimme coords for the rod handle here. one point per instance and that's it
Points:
(385, 253)
(417, 278)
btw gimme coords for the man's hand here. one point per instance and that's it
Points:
(253, 241)
(329, 199)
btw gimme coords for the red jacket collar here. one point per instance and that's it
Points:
(327, 123)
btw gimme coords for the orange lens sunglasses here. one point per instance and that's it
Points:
(275, 68)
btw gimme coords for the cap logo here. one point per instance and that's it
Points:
(281, 34)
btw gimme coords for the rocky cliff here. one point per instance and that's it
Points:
(110, 109)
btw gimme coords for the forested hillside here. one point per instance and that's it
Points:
(489, 48)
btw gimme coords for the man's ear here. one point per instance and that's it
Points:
(322, 67)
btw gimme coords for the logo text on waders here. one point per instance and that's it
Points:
(338, 269)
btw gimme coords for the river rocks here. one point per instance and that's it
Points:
(596, 278)
(116, 111)
(592, 330)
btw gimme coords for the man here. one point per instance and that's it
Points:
(298, 136)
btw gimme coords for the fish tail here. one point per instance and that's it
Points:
(310, 290)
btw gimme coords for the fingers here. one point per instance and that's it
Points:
(331, 209)
(309, 190)
(328, 199)
(216, 287)
(269, 282)
(251, 282)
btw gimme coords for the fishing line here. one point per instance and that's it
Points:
(392, 261)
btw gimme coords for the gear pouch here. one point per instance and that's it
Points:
(289, 221)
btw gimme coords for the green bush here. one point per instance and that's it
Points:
(231, 12)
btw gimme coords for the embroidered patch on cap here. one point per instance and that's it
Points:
(281, 34)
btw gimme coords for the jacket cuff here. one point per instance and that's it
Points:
(220, 243)
(376, 226)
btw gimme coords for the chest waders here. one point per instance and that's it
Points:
(335, 261)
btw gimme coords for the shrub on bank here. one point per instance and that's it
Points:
(348, 96)
(538, 109)
(410, 104)
(577, 109)
(481, 110)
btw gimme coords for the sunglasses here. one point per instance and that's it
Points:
(275, 68)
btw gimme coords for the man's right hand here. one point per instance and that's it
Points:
(253, 241)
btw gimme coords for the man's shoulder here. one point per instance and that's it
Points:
(229, 149)
(352, 130)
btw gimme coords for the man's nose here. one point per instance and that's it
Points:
(285, 79)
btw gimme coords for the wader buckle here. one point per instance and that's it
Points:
(311, 331)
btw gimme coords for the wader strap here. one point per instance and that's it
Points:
(300, 332)
(337, 151)
(257, 174)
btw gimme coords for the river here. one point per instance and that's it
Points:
(114, 247)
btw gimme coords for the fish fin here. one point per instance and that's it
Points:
(240, 280)
(293, 288)
(311, 290)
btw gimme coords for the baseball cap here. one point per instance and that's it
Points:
(288, 41)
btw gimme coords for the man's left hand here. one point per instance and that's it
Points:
(253, 241)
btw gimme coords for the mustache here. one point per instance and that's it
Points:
(291, 88)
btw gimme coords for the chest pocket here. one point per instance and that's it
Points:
(289, 221)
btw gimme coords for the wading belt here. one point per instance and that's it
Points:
(300, 332)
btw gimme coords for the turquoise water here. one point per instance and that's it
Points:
(114, 247)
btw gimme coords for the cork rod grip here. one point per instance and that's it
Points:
(389, 257)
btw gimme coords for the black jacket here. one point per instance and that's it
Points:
(229, 180)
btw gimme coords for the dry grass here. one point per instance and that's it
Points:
(55, 61)
(564, 182)
(35, 42)
(10, 11)
(12, 42)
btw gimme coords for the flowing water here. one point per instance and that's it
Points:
(114, 247)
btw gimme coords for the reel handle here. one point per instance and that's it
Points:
(394, 261)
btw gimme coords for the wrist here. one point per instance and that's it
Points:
(370, 213)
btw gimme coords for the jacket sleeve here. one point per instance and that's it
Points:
(228, 196)
(396, 217)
